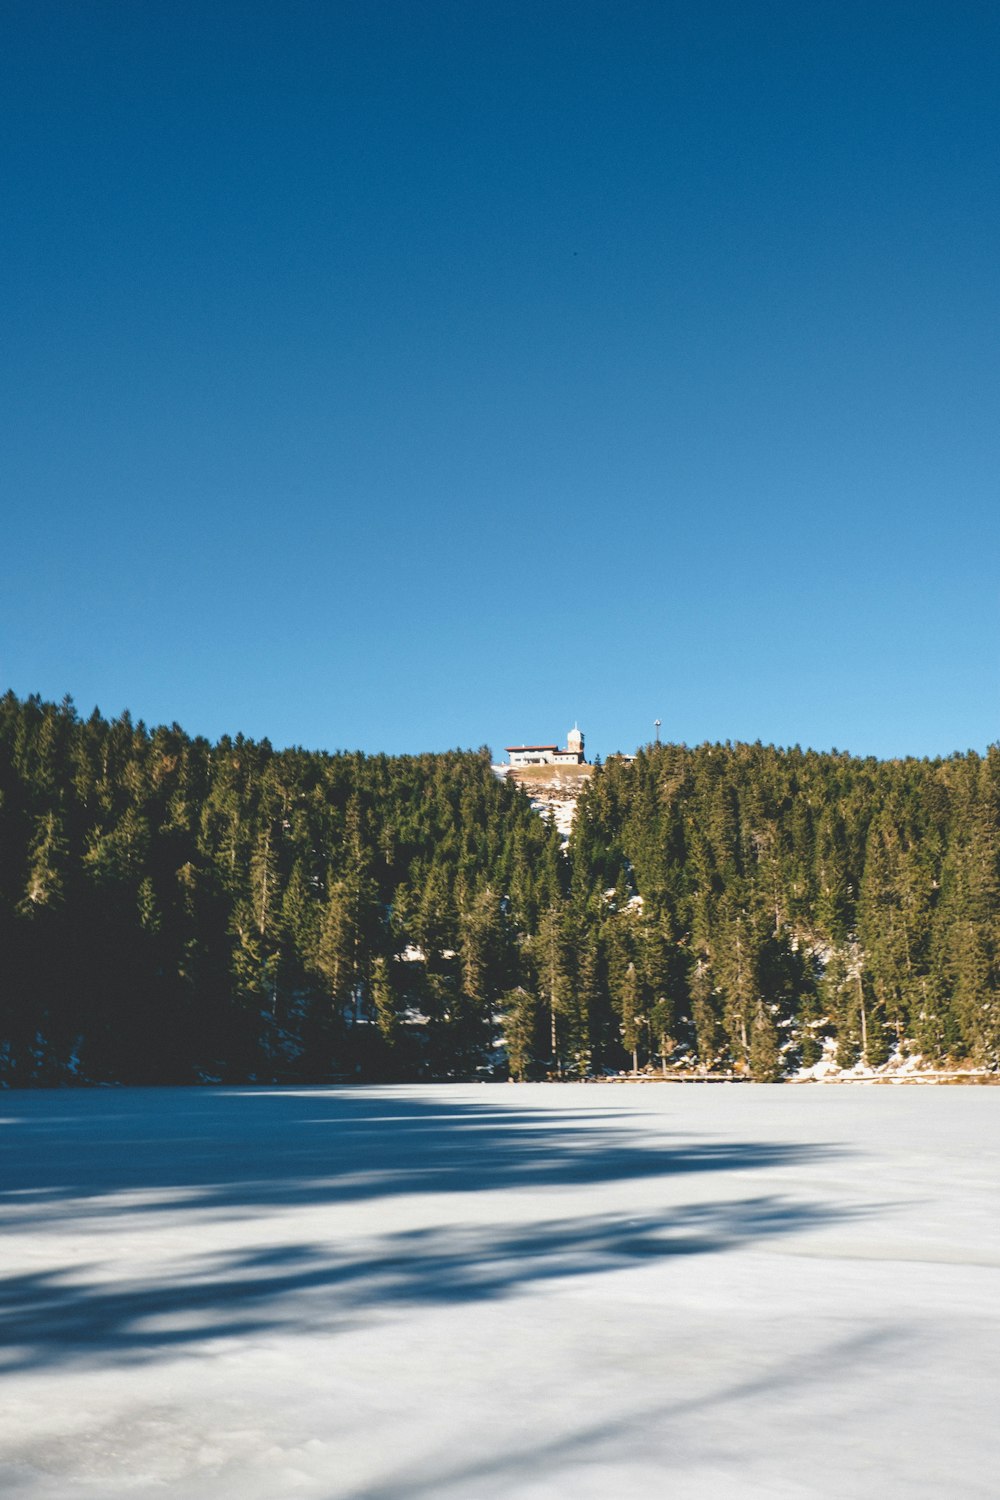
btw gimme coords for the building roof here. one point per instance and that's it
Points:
(510, 748)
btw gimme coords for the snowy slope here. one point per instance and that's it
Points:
(554, 790)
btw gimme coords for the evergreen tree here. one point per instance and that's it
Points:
(554, 979)
(631, 1019)
(520, 1025)
(765, 1056)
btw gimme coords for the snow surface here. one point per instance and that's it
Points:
(522, 1291)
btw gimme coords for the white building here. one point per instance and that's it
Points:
(550, 755)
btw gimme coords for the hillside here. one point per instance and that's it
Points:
(172, 909)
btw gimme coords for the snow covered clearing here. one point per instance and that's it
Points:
(468, 1292)
(554, 791)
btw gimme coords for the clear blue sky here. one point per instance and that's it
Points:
(411, 374)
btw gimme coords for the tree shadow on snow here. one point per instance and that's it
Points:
(75, 1160)
(246, 1149)
(50, 1317)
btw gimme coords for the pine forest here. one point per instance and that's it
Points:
(173, 910)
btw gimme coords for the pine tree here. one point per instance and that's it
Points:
(45, 886)
(765, 1056)
(554, 980)
(337, 951)
(630, 1013)
(384, 1000)
(520, 1021)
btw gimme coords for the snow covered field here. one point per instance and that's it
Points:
(472, 1292)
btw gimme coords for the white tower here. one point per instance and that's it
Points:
(574, 741)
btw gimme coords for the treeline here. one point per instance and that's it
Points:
(175, 910)
(783, 899)
(172, 909)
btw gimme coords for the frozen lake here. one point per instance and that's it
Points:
(540, 1292)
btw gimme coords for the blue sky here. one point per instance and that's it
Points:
(409, 375)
